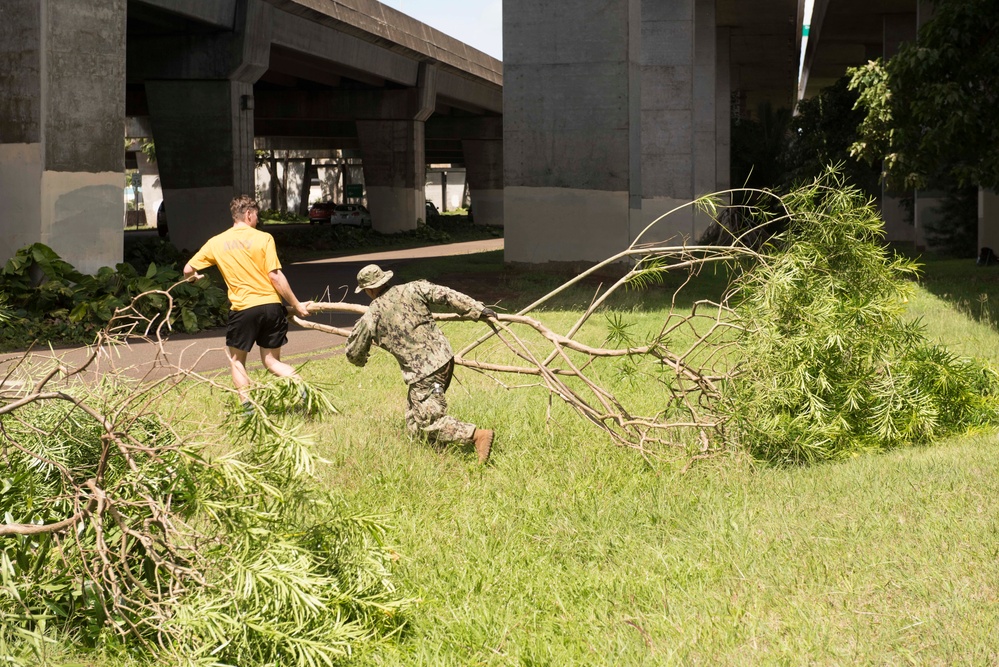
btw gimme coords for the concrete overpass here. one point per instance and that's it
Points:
(608, 114)
(848, 33)
(210, 76)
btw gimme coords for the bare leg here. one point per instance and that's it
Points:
(271, 359)
(240, 378)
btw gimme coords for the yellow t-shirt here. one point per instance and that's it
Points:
(245, 256)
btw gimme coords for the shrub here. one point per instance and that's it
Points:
(832, 367)
(49, 300)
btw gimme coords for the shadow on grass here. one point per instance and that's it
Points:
(971, 289)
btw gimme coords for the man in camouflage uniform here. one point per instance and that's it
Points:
(399, 320)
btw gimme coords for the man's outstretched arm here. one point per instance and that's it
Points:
(359, 342)
(456, 301)
(284, 290)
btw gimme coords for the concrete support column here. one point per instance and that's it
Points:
(204, 152)
(484, 171)
(988, 219)
(704, 113)
(669, 136)
(723, 110)
(925, 202)
(152, 195)
(62, 119)
(571, 130)
(199, 89)
(394, 172)
(393, 154)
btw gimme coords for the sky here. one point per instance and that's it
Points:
(478, 23)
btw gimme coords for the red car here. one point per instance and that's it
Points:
(321, 211)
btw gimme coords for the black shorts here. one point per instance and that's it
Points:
(265, 325)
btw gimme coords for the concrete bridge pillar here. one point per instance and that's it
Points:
(199, 90)
(571, 128)
(484, 170)
(988, 220)
(679, 120)
(62, 118)
(899, 222)
(393, 153)
(204, 152)
(614, 113)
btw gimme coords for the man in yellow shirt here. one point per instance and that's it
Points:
(249, 264)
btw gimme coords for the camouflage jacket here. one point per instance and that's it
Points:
(399, 320)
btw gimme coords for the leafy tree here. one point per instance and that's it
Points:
(759, 148)
(955, 232)
(932, 110)
(822, 132)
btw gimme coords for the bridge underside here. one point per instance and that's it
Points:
(210, 79)
(612, 113)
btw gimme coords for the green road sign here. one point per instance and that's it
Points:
(353, 190)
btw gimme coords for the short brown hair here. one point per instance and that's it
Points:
(241, 205)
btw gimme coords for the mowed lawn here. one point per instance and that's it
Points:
(567, 550)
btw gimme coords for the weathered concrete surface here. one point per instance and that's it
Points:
(21, 194)
(484, 165)
(632, 99)
(394, 172)
(62, 110)
(571, 128)
(617, 98)
(204, 152)
(552, 224)
(675, 76)
(374, 21)
(988, 220)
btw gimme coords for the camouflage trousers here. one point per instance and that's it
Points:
(427, 410)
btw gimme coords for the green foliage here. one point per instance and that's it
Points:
(831, 366)
(140, 252)
(565, 551)
(955, 232)
(196, 555)
(148, 148)
(274, 215)
(759, 148)
(933, 108)
(822, 131)
(51, 301)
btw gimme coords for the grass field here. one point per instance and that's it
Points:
(565, 550)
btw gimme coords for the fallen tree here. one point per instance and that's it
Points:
(806, 356)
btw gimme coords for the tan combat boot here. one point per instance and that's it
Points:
(483, 439)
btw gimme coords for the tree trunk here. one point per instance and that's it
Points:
(283, 185)
(303, 203)
(272, 170)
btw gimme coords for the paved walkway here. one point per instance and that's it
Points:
(331, 279)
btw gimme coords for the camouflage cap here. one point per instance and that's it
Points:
(371, 277)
